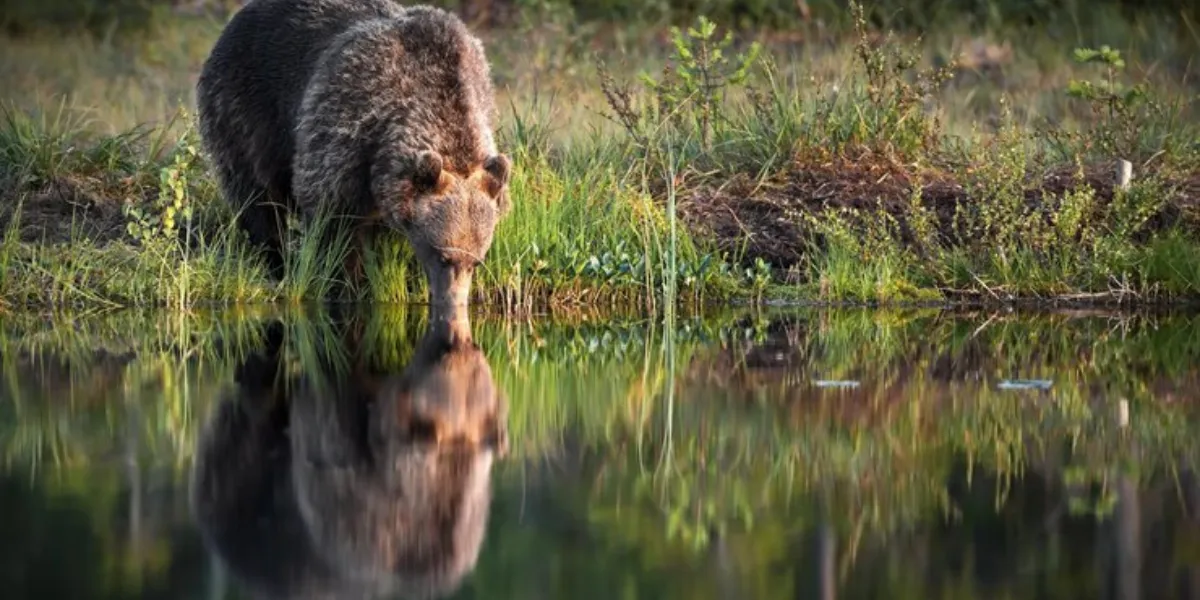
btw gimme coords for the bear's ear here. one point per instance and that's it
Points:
(498, 167)
(427, 171)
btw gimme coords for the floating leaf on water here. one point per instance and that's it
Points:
(1025, 384)
(836, 383)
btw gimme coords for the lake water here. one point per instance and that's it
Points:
(783, 454)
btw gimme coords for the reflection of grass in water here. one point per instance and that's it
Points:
(79, 388)
(744, 449)
(731, 462)
(759, 483)
(1117, 352)
(576, 383)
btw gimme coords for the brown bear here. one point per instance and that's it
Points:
(345, 482)
(363, 109)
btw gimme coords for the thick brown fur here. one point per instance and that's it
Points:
(364, 108)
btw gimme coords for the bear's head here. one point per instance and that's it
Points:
(447, 218)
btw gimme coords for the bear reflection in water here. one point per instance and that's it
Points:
(353, 485)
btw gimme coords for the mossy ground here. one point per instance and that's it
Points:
(836, 164)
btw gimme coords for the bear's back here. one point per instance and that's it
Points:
(251, 86)
(415, 83)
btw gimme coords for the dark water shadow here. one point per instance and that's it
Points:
(348, 481)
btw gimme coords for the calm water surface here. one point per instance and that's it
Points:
(834, 454)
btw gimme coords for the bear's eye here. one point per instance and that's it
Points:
(445, 260)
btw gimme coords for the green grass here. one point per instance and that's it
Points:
(855, 171)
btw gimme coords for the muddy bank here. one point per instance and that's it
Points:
(763, 218)
(63, 209)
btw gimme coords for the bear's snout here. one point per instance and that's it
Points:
(449, 283)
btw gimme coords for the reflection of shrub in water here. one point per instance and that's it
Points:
(365, 483)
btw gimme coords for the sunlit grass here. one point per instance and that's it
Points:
(593, 222)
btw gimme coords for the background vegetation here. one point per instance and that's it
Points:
(971, 155)
(139, 14)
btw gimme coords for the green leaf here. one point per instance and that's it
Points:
(1085, 55)
(1081, 89)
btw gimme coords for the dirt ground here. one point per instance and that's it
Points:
(64, 209)
(759, 216)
